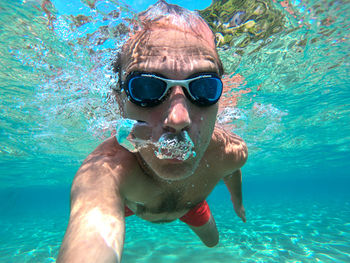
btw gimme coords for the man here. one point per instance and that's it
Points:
(171, 44)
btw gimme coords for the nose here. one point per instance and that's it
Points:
(177, 116)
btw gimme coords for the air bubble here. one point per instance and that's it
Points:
(175, 146)
(123, 131)
(134, 135)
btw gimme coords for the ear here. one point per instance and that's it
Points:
(120, 97)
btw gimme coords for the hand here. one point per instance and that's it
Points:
(240, 211)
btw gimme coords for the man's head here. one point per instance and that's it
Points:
(168, 34)
(176, 44)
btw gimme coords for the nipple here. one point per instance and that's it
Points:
(134, 135)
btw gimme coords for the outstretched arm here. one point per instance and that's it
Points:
(234, 185)
(96, 226)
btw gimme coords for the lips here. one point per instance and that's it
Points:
(175, 151)
(175, 146)
(171, 155)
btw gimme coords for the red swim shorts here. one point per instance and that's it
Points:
(127, 211)
(197, 216)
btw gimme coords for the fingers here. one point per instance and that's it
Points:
(241, 213)
(244, 219)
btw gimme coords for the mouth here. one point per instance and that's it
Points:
(175, 147)
(174, 157)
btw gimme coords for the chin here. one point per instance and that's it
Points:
(170, 169)
(173, 170)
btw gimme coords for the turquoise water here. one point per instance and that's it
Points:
(292, 109)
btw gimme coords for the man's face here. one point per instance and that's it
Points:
(174, 55)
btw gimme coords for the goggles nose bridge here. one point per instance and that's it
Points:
(183, 84)
(172, 83)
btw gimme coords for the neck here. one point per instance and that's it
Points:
(147, 170)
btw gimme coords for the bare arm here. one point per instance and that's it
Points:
(235, 153)
(234, 185)
(96, 226)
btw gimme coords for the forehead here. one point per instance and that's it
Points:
(173, 53)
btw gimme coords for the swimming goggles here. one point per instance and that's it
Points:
(148, 90)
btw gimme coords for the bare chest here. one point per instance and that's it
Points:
(165, 203)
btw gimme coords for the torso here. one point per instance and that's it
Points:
(166, 201)
(157, 200)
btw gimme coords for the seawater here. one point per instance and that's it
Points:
(287, 96)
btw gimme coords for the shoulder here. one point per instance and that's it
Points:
(109, 161)
(230, 146)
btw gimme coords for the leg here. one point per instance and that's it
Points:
(202, 222)
(208, 232)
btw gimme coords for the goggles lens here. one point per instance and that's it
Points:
(145, 89)
(149, 90)
(206, 91)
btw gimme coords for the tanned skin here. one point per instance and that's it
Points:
(155, 190)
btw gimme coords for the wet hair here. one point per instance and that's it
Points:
(171, 16)
(162, 15)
